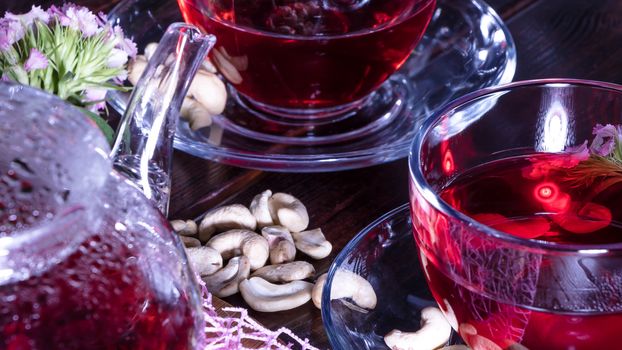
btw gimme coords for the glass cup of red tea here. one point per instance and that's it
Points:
(515, 209)
(301, 64)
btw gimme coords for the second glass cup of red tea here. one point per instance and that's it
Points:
(515, 195)
(309, 58)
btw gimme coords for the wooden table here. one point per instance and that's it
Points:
(554, 38)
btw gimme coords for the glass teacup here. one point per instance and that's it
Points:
(311, 62)
(520, 251)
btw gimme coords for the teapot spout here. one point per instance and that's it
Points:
(143, 147)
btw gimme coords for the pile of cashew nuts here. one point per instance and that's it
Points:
(252, 250)
(232, 244)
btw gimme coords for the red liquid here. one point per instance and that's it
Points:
(500, 325)
(97, 298)
(534, 197)
(307, 54)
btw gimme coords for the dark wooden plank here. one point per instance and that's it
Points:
(508, 8)
(578, 39)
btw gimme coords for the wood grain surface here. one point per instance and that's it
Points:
(554, 38)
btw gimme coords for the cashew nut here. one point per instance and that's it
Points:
(210, 91)
(225, 66)
(264, 296)
(455, 347)
(209, 66)
(346, 284)
(204, 260)
(184, 227)
(282, 248)
(293, 271)
(150, 50)
(226, 218)
(195, 113)
(283, 252)
(259, 208)
(318, 287)
(286, 210)
(313, 243)
(239, 62)
(135, 69)
(468, 332)
(226, 281)
(434, 332)
(190, 242)
(241, 242)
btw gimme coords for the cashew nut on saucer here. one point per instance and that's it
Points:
(262, 295)
(282, 248)
(136, 68)
(434, 332)
(226, 218)
(241, 242)
(293, 271)
(204, 260)
(150, 50)
(226, 281)
(468, 332)
(190, 241)
(184, 227)
(207, 94)
(191, 108)
(346, 284)
(313, 243)
(286, 210)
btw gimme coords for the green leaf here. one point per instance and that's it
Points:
(102, 124)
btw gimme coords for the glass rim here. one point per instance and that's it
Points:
(251, 30)
(431, 197)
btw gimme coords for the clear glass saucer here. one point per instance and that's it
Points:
(466, 47)
(385, 254)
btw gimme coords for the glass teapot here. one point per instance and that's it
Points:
(86, 259)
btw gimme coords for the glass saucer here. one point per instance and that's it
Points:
(385, 254)
(466, 47)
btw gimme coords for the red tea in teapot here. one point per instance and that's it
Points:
(89, 278)
(97, 298)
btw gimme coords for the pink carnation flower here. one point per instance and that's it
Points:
(79, 18)
(97, 96)
(605, 140)
(11, 31)
(27, 19)
(122, 43)
(36, 60)
(578, 153)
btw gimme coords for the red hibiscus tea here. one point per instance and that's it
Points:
(540, 197)
(107, 276)
(97, 298)
(309, 53)
(540, 303)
